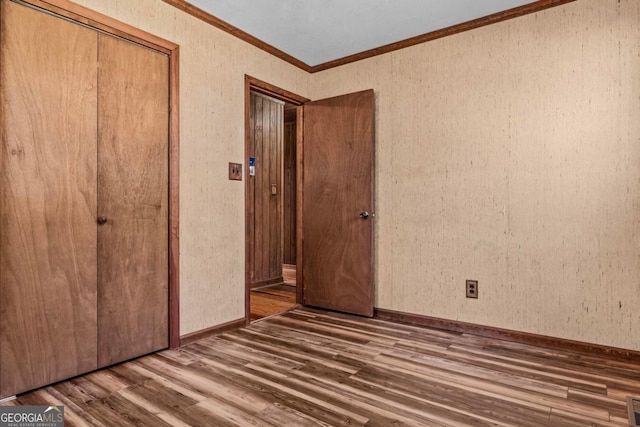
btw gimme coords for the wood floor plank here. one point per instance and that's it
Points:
(115, 410)
(107, 381)
(45, 397)
(390, 411)
(282, 415)
(193, 378)
(167, 382)
(161, 405)
(344, 332)
(341, 379)
(72, 411)
(616, 408)
(288, 331)
(372, 408)
(561, 360)
(481, 372)
(77, 392)
(272, 391)
(277, 382)
(180, 355)
(310, 367)
(455, 400)
(493, 389)
(303, 352)
(574, 377)
(243, 354)
(231, 414)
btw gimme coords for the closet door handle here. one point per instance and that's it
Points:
(102, 220)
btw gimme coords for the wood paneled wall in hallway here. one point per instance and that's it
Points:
(266, 123)
(289, 188)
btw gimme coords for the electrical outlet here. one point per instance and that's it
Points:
(235, 171)
(472, 288)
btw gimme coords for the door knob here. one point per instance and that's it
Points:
(364, 215)
(102, 220)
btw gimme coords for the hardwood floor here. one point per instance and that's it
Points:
(275, 299)
(271, 300)
(315, 368)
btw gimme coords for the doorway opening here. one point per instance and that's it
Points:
(272, 200)
(334, 258)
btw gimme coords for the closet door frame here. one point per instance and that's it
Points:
(108, 25)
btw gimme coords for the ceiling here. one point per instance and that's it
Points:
(320, 31)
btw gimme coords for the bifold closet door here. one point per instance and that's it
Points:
(133, 117)
(48, 111)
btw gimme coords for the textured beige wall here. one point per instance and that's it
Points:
(511, 154)
(212, 69)
(508, 154)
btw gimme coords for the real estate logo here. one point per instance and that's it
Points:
(31, 416)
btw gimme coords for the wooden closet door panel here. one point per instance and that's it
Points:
(47, 199)
(133, 117)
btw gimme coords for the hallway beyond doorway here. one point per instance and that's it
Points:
(275, 299)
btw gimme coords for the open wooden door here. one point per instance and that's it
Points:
(338, 162)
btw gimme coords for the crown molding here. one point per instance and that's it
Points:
(433, 35)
